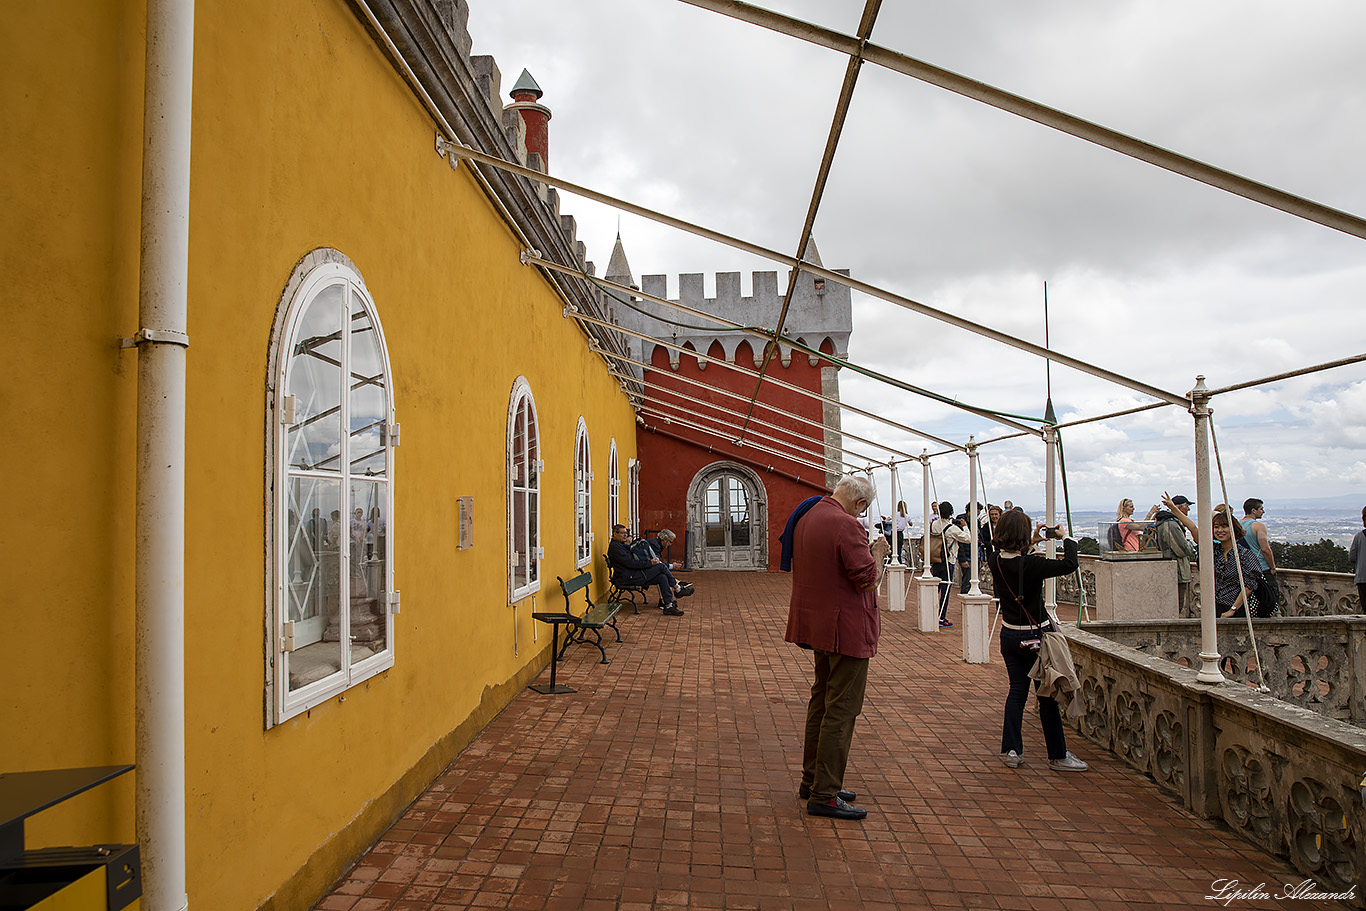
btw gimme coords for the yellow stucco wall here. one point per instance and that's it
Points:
(71, 92)
(304, 137)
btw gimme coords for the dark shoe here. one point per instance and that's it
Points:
(804, 793)
(685, 586)
(837, 810)
(672, 611)
(686, 592)
(944, 624)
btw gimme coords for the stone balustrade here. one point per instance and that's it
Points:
(1303, 592)
(1281, 775)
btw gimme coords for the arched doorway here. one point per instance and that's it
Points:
(728, 518)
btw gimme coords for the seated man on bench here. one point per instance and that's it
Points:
(642, 566)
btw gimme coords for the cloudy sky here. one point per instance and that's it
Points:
(971, 210)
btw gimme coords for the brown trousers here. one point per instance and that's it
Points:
(836, 701)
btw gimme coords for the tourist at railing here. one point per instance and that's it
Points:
(1018, 576)
(1253, 510)
(945, 536)
(1125, 532)
(1231, 551)
(1172, 541)
(1357, 554)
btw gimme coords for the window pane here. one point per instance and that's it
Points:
(369, 404)
(369, 582)
(532, 570)
(714, 532)
(739, 513)
(314, 379)
(519, 539)
(519, 476)
(313, 578)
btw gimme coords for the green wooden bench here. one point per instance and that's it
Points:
(594, 617)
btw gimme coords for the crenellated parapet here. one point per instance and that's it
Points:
(820, 317)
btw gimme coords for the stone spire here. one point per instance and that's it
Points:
(536, 116)
(618, 269)
(813, 255)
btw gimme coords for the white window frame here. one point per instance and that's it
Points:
(319, 271)
(528, 493)
(633, 494)
(583, 497)
(613, 485)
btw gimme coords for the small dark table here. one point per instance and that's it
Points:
(28, 877)
(556, 620)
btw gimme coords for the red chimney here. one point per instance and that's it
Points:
(536, 116)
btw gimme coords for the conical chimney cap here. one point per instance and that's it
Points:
(525, 84)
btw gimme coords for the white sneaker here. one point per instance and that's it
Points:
(1012, 759)
(1068, 763)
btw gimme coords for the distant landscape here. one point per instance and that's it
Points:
(1293, 525)
(1291, 521)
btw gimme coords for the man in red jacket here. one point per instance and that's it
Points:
(833, 612)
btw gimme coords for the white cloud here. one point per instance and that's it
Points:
(971, 210)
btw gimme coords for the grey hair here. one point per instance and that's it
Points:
(860, 487)
(667, 536)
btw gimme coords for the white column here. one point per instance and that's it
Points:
(928, 584)
(1209, 636)
(896, 571)
(976, 631)
(896, 513)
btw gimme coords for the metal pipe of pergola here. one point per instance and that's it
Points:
(732, 413)
(904, 386)
(865, 28)
(906, 303)
(799, 390)
(1049, 117)
(682, 422)
(735, 395)
(721, 422)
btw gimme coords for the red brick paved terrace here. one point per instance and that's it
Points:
(668, 781)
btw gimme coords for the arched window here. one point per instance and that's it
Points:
(613, 486)
(333, 504)
(583, 498)
(524, 467)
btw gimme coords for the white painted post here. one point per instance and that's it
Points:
(928, 584)
(896, 571)
(1209, 635)
(976, 632)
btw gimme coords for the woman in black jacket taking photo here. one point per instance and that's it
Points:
(1019, 576)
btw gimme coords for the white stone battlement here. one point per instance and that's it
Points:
(819, 310)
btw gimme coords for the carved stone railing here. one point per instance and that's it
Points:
(1303, 592)
(1282, 777)
(1316, 663)
(1309, 593)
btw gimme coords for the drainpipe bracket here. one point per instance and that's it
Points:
(156, 337)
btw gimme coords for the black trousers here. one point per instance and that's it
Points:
(1019, 659)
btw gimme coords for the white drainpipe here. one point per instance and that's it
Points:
(161, 340)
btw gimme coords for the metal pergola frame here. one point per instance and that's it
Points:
(859, 49)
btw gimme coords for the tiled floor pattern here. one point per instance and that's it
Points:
(668, 782)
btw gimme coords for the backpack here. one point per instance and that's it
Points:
(642, 549)
(936, 546)
(1115, 537)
